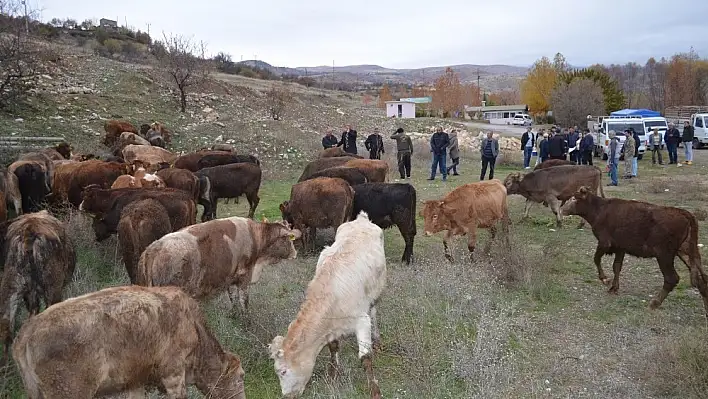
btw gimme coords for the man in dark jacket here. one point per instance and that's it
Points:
(672, 138)
(404, 149)
(635, 158)
(439, 142)
(329, 140)
(573, 137)
(374, 143)
(348, 140)
(557, 147)
(528, 141)
(687, 139)
(586, 146)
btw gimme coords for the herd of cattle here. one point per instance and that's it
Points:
(152, 332)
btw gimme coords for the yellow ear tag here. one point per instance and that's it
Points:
(291, 236)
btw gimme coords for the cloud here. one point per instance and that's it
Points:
(416, 33)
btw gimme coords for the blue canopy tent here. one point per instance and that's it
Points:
(645, 113)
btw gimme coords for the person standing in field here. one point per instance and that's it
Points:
(439, 142)
(557, 146)
(374, 143)
(543, 154)
(329, 140)
(586, 146)
(655, 146)
(348, 140)
(628, 151)
(672, 138)
(404, 149)
(573, 137)
(528, 140)
(614, 156)
(687, 139)
(454, 153)
(489, 150)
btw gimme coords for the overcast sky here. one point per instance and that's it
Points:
(415, 33)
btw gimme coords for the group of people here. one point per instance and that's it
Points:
(557, 144)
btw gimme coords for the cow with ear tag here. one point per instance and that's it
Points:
(208, 258)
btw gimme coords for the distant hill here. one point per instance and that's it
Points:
(492, 77)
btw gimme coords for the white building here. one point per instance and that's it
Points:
(400, 109)
(496, 114)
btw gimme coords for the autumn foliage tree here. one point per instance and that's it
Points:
(538, 85)
(448, 94)
(384, 95)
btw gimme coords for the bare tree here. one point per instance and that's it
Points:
(573, 102)
(655, 79)
(19, 58)
(278, 99)
(183, 61)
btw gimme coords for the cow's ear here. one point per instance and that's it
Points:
(264, 219)
(283, 206)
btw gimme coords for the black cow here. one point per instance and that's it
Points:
(211, 160)
(389, 204)
(353, 176)
(231, 181)
(33, 186)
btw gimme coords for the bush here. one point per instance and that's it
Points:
(113, 46)
(130, 49)
(101, 35)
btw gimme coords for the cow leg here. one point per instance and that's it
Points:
(363, 335)
(312, 239)
(137, 393)
(253, 201)
(446, 239)
(599, 252)
(492, 236)
(616, 269)
(554, 204)
(671, 279)
(375, 333)
(243, 297)
(214, 205)
(408, 238)
(527, 207)
(699, 280)
(334, 366)
(472, 241)
(175, 387)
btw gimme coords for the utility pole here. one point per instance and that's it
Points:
(24, 3)
(332, 74)
(479, 91)
(148, 28)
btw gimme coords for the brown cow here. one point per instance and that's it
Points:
(337, 152)
(91, 172)
(141, 223)
(232, 181)
(10, 186)
(553, 162)
(125, 339)
(351, 175)
(59, 152)
(107, 206)
(113, 130)
(139, 179)
(375, 170)
(190, 161)
(127, 138)
(467, 208)
(39, 262)
(318, 203)
(320, 164)
(148, 155)
(643, 230)
(63, 171)
(554, 186)
(184, 180)
(208, 258)
(158, 135)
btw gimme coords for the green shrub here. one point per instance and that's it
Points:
(130, 49)
(113, 46)
(101, 35)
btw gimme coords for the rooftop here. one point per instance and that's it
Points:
(492, 108)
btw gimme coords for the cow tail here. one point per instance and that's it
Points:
(698, 277)
(33, 256)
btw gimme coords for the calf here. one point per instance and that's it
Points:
(10, 186)
(148, 155)
(125, 339)
(464, 210)
(553, 162)
(107, 206)
(351, 175)
(208, 258)
(340, 300)
(141, 223)
(113, 130)
(318, 203)
(139, 179)
(190, 161)
(211, 160)
(375, 170)
(232, 181)
(320, 164)
(184, 180)
(389, 204)
(39, 262)
(643, 230)
(554, 186)
(337, 152)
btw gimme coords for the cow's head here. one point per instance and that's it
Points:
(90, 197)
(286, 213)
(229, 381)
(512, 182)
(293, 376)
(279, 242)
(64, 149)
(578, 204)
(435, 217)
(101, 229)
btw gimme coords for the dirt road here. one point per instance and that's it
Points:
(506, 130)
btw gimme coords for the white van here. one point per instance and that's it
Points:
(619, 125)
(522, 120)
(656, 122)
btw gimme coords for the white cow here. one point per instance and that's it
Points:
(350, 276)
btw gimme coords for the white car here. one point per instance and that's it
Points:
(522, 120)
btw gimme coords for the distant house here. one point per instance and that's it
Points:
(400, 109)
(496, 114)
(108, 23)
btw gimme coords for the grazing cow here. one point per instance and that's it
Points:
(351, 175)
(127, 138)
(320, 164)
(113, 130)
(554, 186)
(318, 203)
(190, 161)
(552, 162)
(39, 262)
(32, 180)
(211, 160)
(40, 159)
(59, 152)
(125, 339)
(643, 230)
(108, 205)
(10, 186)
(92, 172)
(340, 300)
(232, 181)
(148, 155)
(182, 179)
(223, 147)
(208, 258)
(63, 172)
(158, 135)
(375, 170)
(389, 204)
(337, 152)
(144, 128)
(141, 223)
(464, 210)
